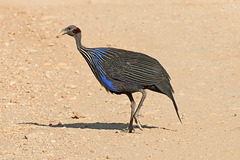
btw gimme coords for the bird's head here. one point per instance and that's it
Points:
(71, 30)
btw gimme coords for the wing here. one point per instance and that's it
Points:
(134, 67)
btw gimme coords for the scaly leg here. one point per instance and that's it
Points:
(136, 114)
(133, 105)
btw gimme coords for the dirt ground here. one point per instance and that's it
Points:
(52, 107)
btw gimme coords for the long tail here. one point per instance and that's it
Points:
(166, 88)
(176, 108)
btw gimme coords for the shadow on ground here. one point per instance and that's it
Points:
(97, 125)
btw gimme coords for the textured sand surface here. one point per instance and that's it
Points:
(45, 82)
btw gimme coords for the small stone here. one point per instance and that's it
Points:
(63, 96)
(47, 75)
(12, 83)
(72, 86)
(77, 116)
(53, 141)
(13, 101)
(53, 122)
(77, 72)
(89, 94)
(60, 124)
(32, 50)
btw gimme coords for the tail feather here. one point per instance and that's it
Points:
(166, 88)
(176, 108)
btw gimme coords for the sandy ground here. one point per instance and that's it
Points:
(45, 82)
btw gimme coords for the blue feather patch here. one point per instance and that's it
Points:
(101, 49)
(108, 84)
(97, 54)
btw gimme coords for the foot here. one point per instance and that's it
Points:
(138, 123)
(130, 128)
(136, 117)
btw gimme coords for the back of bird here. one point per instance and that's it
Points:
(134, 67)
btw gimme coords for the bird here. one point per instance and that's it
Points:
(122, 71)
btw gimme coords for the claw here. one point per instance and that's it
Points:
(138, 123)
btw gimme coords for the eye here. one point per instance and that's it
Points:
(69, 28)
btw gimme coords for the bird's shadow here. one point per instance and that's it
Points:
(97, 125)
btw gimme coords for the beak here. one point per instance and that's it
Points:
(63, 31)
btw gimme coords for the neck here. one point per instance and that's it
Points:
(80, 47)
(78, 38)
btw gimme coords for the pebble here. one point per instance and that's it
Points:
(47, 74)
(77, 72)
(77, 115)
(53, 141)
(72, 86)
(13, 101)
(32, 50)
(63, 96)
(89, 94)
(12, 83)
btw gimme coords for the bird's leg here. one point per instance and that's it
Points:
(133, 105)
(136, 114)
(137, 121)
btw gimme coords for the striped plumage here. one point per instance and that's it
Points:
(125, 72)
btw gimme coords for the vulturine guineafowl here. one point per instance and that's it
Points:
(125, 72)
